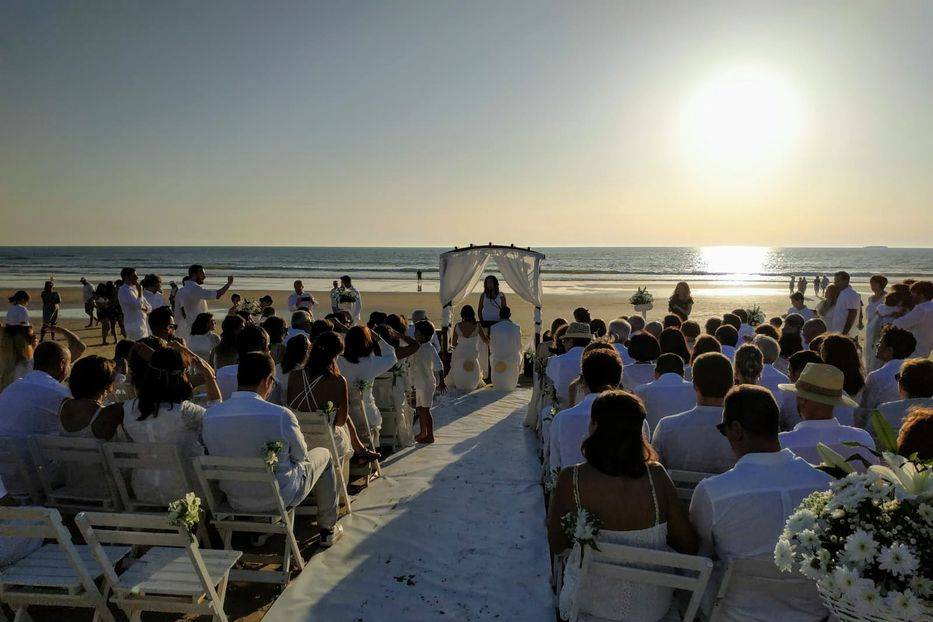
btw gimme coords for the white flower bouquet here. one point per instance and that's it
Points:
(185, 512)
(330, 412)
(250, 306)
(641, 297)
(867, 542)
(550, 479)
(270, 452)
(581, 528)
(346, 295)
(755, 315)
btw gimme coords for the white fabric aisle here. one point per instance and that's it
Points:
(452, 531)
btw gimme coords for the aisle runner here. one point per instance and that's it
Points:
(453, 531)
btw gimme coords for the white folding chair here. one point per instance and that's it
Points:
(81, 464)
(686, 481)
(318, 432)
(59, 573)
(211, 472)
(762, 576)
(123, 459)
(391, 412)
(365, 433)
(17, 470)
(173, 575)
(615, 562)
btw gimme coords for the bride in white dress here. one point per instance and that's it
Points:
(464, 362)
(620, 484)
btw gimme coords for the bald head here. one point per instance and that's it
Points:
(52, 358)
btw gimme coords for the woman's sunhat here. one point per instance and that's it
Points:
(578, 330)
(819, 382)
(419, 314)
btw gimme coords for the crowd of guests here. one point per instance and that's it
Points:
(742, 406)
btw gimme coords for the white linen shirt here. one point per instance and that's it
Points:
(410, 332)
(30, 405)
(742, 512)
(668, 395)
(87, 292)
(771, 378)
(728, 351)
(637, 374)
(505, 341)
(802, 440)
(191, 301)
(806, 313)
(227, 383)
(690, 441)
(134, 307)
(305, 298)
(156, 300)
(294, 332)
(562, 369)
(623, 354)
(881, 385)
(848, 300)
(17, 315)
(895, 411)
(919, 321)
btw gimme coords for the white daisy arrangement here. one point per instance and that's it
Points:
(250, 306)
(185, 512)
(867, 542)
(270, 452)
(346, 295)
(755, 315)
(641, 297)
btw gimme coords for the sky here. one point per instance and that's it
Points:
(436, 123)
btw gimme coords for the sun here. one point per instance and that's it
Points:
(744, 120)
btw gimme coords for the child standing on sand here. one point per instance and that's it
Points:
(427, 376)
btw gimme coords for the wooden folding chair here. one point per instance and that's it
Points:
(17, 470)
(686, 481)
(213, 471)
(765, 577)
(615, 562)
(59, 573)
(123, 459)
(173, 575)
(319, 432)
(81, 463)
(365, 433)
(391, 412)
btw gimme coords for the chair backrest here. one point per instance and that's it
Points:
(383, 392)
(17, 469)
(617, 562)
(213, 470)
(686, 481)
(125, 458)
(317, 431)
(81, 463)
(763, 577)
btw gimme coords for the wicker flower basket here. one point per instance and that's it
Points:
(846, 612)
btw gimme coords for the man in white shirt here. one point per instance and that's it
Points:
(602, 370)
(192, 298)
(505, 351)
(770, 376)
(845, 312)
(881, 386)
(251, 339)
(689, 441)
(87, 297)
(919, 320)
(728, 337)
(669, 394)
(241, 426)
(134, 306)
(620, 331)
(300, 325)
(152, 290)
(563, 368)
(741, 513)
(819, 390)
(799, 307)
(354, 308)
(300, 299)
(810, 330)
(420, 315)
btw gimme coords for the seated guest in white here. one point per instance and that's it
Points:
(728, 337)
(799, 307)
(578, 389)
(134, 305)
(637, 323)
(703, 345)
(741, 513)
(203, 339)
(842, 352)
(748, 364)
(301, 324)
(644, 350)
(819, 390)
(881, 385)
(224, 353)
(621, 485)
(18, 313)
(810, 330)
(30, 405)
(691, 331)
(619, 332)
(673, 341)
(668, 393)
(915, 382)
(191, 299)
(301, 299)
(242, 426)
(162, 324)
(562, 369)
(602, 370)
(251, 339)
(505, 351)
(787, 401)
(770, 352)
(690, 441)
(919, 320)
(916, 435)
(420, 315)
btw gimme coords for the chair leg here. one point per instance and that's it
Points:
(292, 542)
(21, 615)
(218, 605)
(136, 615)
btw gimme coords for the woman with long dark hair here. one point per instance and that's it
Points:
(51, 301)
(681, 302)
(841, 352)
(203, 339)
(225, 352)
(464, 362)
(365, 356)
(623, 486)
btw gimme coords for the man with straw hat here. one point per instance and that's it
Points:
(564, 368)
(819, 390)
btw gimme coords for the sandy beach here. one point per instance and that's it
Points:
(711, 298)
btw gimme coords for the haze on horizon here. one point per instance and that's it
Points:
(440, 123)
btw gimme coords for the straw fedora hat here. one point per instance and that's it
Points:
(821, 383)
(578, 330)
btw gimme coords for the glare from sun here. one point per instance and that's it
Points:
(746, 120)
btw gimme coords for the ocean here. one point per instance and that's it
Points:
(394, 269)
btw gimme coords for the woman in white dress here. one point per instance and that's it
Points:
(203, 339)
(622, 485)
(365, 356)
(873, 318)
(491, 302)
(464, 362)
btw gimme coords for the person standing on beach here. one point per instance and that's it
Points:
(192, 298)
(133, 304)
(350, 296)
(792, 284)
(802, 285)
(300, 299)
(680, 302)
(419, 280)
(51, 301)
(335, 297)
(848, 304)
(825, 283)
(87, 297)
(816, 286)
(152, 290)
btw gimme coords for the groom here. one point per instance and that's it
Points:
(505, 351)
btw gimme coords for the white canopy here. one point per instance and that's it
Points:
(462, 268)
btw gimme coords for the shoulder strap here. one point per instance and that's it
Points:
(576, 487)
(654, 499)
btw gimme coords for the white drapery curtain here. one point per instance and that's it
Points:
(461, 270)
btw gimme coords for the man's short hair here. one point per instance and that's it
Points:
(793, 320)
(731, 319)
(252, 339)
(194, 269)
(601, 368)
(755, 409)
(504, 312)
(712, 324)
(922, 288)
(643, 347)
(712, 374)
(797, 296)
(917, 377)
(160, 318)
(125, 273)
(654, 328)
(799, 360)
(48, 355)
(813, 327)
(842, 274)
(672, 321)
(582, 314)
(690, 329)
(769, 347)
(769, 330)
(901, 341)
(620, 328)
(637, 323)
(253, 368)
(669, 363)
(425, 328)
(300, 318)
(727, 335)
